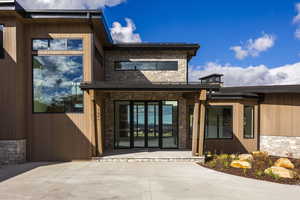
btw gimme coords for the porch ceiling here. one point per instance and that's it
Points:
(157, 86)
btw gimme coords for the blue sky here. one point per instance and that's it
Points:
(261, 31)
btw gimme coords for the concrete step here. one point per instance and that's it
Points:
(148, 159)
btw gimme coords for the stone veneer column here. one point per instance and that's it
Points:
(12, 151)
(281, 145)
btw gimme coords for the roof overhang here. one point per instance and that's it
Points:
(94, 17)
(115, 86)
(191, 49)
(270, 89)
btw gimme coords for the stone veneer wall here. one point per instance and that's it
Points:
(281, 145)
(12, 151)
(109, 113)
(145, 76)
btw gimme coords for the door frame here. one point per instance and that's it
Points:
(160, 124)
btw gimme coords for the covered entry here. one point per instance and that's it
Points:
(146, 124)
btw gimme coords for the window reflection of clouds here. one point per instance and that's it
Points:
(57, 44)
(56, 83)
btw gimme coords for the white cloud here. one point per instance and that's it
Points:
(254, 47)
(297, 17)
(251, 75)
(296, 20)
(68, 4)
(125, 34)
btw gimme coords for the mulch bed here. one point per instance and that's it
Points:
(258, 165)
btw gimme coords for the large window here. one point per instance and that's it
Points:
(56, 82)
(249, 122)
(146, 65)
(1, 42)
(219, 122)
(57, 44)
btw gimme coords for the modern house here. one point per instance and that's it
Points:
(68, 92)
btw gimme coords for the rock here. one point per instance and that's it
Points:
(284, 162)
(280, 172)
(260, 154)
(241, 164)
(233, 156)
(246, 157)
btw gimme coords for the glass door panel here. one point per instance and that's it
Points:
(122, 124)
(169, 124)
(153, 124)
(139, 124)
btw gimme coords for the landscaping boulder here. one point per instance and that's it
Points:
(260, 154)
(280, 172)
(246, 157)
(284, 162)
(241, 164)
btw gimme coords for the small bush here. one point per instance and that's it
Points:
(270, 162)
(259, 173)
(212, 164)
(226, 164)
(245, 171)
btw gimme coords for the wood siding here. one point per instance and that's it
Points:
(280, 115)
(238, 143)
(13, 90)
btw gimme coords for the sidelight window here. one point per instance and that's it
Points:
(2, 42)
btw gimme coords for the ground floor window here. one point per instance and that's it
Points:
(146, 124)
(219, 122)
(249, 122)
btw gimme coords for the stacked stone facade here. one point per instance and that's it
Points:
(281, 145)
(12, 151)
(145, 76)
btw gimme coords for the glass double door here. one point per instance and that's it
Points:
(146, 124)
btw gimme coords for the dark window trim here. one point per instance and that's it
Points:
(206, 123)
(49, 39)
(253, 122)
(135, 69)
(131, 102)
(2, 51)
(32, 88)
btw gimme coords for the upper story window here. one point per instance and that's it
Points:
(56, 81)
(1, 42)
(57, 77)
(146, 65)
(57, 44)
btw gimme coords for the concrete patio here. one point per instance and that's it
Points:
(168, 180)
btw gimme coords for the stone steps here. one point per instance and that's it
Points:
(148, 159)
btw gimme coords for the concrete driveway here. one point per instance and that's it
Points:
(130, 181)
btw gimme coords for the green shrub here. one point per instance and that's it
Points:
(245, 171)
(259, 173)
(212, 164)
(226, 164)
(270, 162)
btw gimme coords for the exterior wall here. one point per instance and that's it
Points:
(238, 143)
(12, 151)
(109, 113)
(65, 136)
(279, 121)
(281, 145)
(12, 79)
(146, 76)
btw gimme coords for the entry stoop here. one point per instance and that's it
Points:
(149, 156)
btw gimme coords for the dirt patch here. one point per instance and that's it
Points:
(221, 163)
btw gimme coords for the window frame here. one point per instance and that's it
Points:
(52, 50)
(206, 122)
(2, 50)
(135, 69)
(253, 122)
(32, 84)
